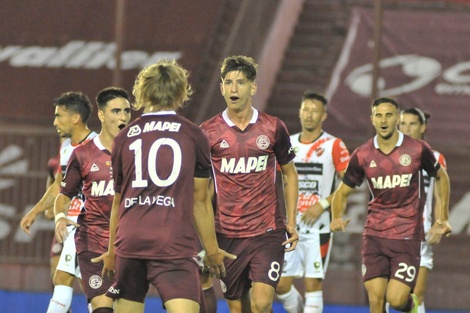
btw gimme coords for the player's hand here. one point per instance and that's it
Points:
(108, 264)
(61, 231)
(338, 224)
(312, 214)
(292, 238)
(28, 220)
(215, 262)
(445, 228)
(434, 236)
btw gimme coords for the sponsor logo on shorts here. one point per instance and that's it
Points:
(114, 291)
(364, 269)
(68, 258)
(316, 265)
(95, 282)
(223, 287)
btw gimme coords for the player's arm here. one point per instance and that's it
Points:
(291, 193)
(443, 193)
(204, 222)
(108, 257)
(61, 206)
(338, 206)
(46, 202)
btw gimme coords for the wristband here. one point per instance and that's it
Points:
(324, 203)
(59, 216)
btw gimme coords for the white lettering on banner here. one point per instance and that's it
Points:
(391, 181)
(244, 165)
(149, 200)
(78, 54)
(418, 71)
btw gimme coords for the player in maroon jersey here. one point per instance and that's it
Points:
(245, 146)
(392, 165)
(161, 169)
(89, 171)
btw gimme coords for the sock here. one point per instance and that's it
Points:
(292, 301)
(409, 304)
(210, 300)
(314, 302)
(90, 309)
(421, 308)
(61, 299)
(103, 310)
(387, 307)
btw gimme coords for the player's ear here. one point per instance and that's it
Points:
(101, 116)
(254, 88)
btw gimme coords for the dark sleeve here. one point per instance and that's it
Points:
(72, 180)
(354, 175)
(203, 157)
(117, 164)
(282, 147)
(428, 160)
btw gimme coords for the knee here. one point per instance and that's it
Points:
(283, 288)
(62, 278)
(397, 301)
(261, 305)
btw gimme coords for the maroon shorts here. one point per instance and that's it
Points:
(93, 284)
(391, 259)
(259, 259)
(172, 278)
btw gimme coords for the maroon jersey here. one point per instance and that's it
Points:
(89, 170)
(244, 165)
(396, 185)
(155, 161)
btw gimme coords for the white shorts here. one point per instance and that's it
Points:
(426, 256)
(68, 261)
(307, 259)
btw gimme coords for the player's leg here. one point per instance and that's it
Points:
(94, 285)
(63, 277)
(286, 292)
(265, 269)
(208, 293)
(317, 255)
(127, 306)
(376, 288)
(426, 265)
(404, 263)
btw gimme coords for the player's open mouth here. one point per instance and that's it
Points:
(234, 99)
(121, 126)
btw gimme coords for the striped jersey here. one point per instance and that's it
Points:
(317, 165)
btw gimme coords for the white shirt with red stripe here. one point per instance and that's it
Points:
(317, 165)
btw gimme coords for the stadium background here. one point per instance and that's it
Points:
(48, 47)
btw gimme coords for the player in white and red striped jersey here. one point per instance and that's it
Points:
(89, 173)
(414, 122)
(245, 146)
(392, 164)
(72, 110)
(320, 159)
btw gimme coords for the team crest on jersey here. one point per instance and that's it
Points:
(405, 160)
(262, 142)
(319, 151)
(134, 131)
(224, 144)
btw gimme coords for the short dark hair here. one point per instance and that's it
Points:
(107, 94)
(423, 117)
(77, 102)
(385, 100)
(241, 63)
(312, 95)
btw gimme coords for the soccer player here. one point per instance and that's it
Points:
(319, 158)
(245, 146)
(89, 172)
(72, 110)
(392, 165)
(414, 123)
(161, 169)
